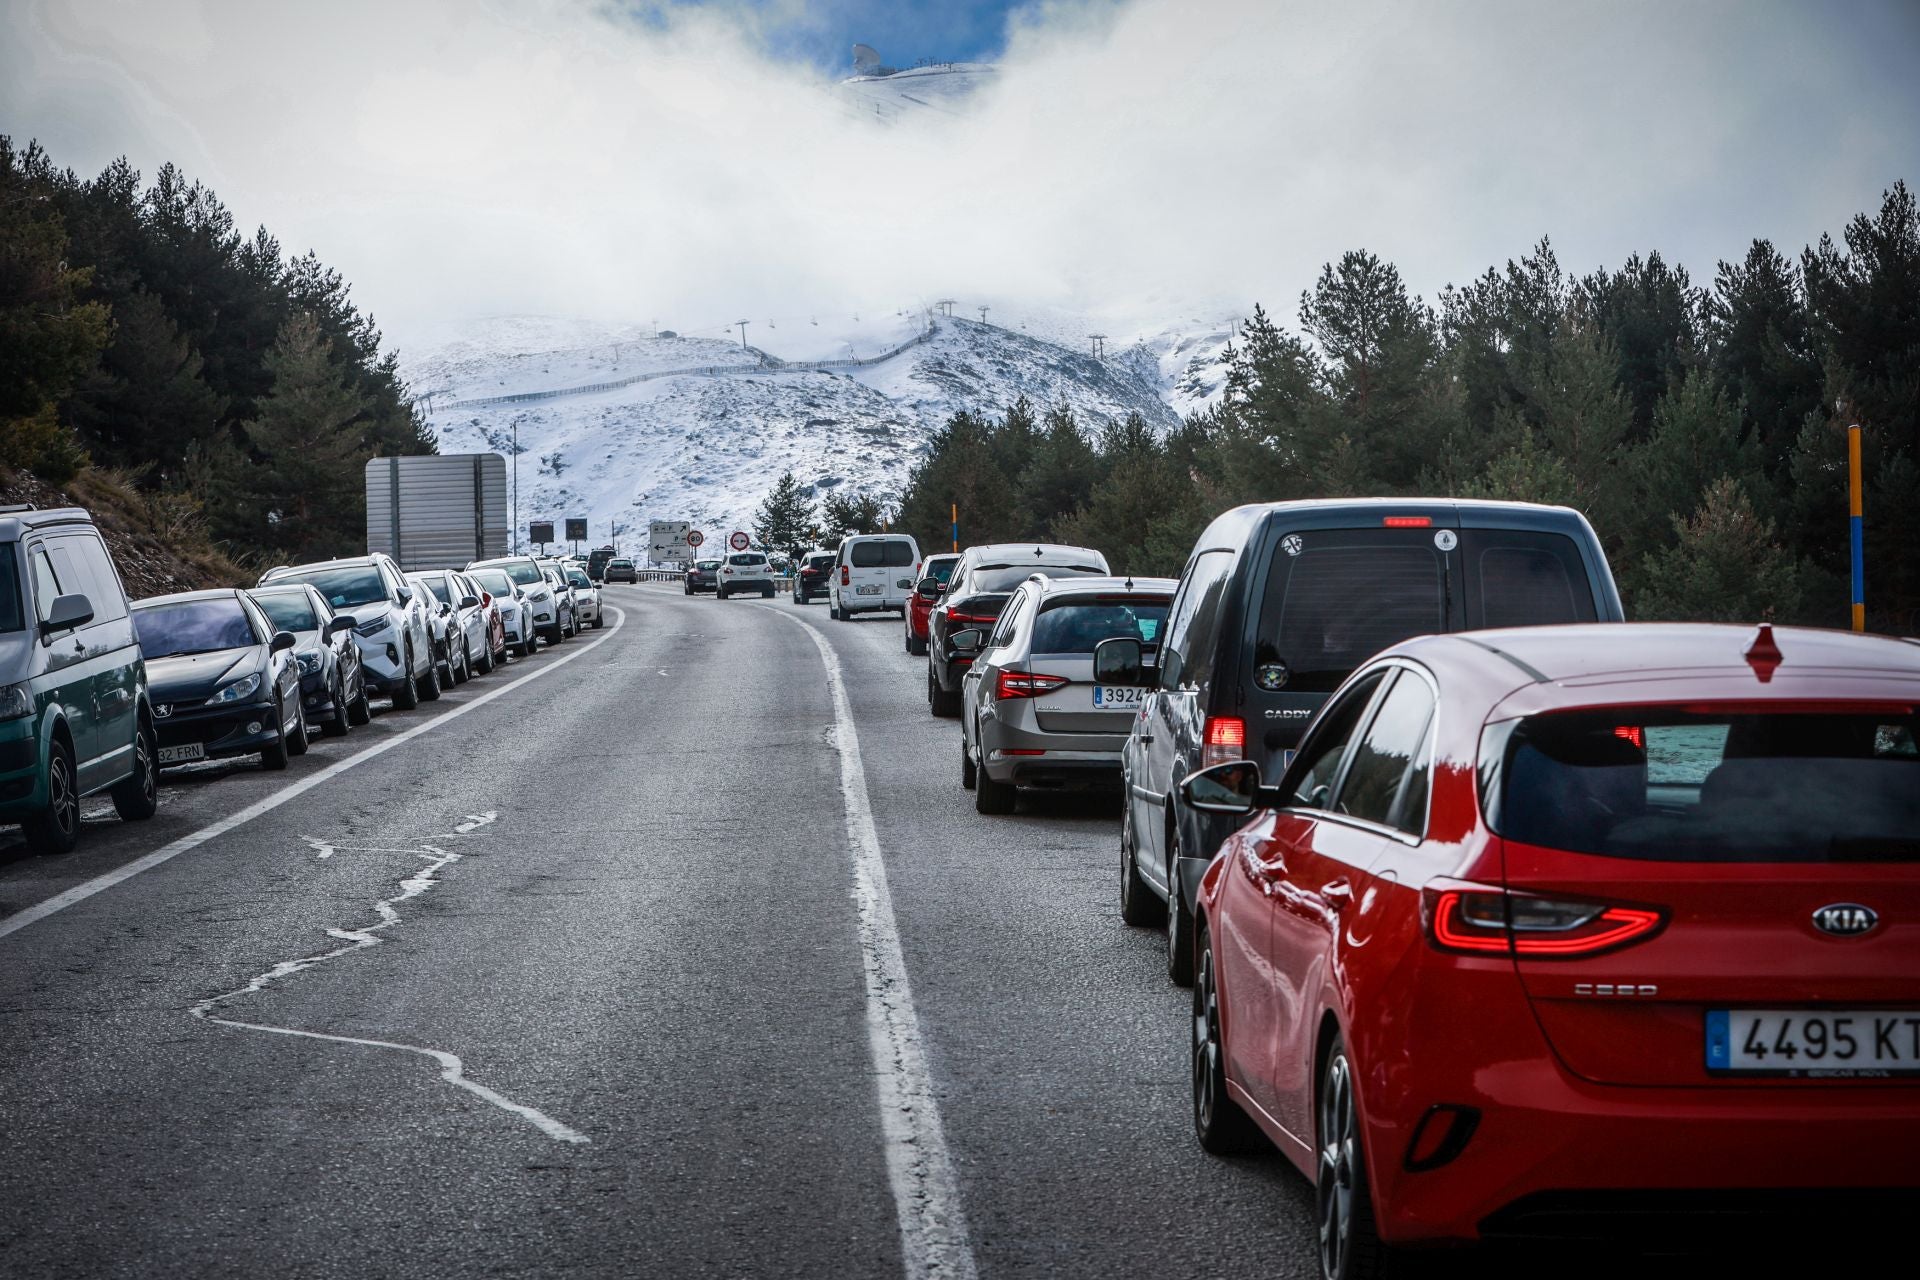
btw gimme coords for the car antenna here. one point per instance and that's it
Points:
(1129, 582)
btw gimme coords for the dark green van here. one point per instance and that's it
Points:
(74, 715)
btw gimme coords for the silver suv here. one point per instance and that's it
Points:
(541, 609)
(1031, 713)
(393, 632)
(745, 571)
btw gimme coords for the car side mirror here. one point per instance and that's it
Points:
(341, 622)
(968, 641)
(282, 640)
(403, 595)
(928, 587)
(1233, 787)
(1121, 661)
(469, 602)
(67, 613)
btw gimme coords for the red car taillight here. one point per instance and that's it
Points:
(1495, 922)
(846, 576)
(1225, 741)
(1026, 684)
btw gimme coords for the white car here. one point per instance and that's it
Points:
(396, 644)
(536, 594)
(586, 598)
(516, 615)
(873, 572)
(745, 571)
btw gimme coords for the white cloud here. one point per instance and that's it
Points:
(455, 159)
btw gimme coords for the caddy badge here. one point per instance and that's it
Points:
(1845, 919)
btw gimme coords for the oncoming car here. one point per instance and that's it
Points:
(1569, 929)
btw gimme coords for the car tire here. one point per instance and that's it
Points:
(486, 658)
(1218, 1122)
(299, 740)
(1179, 921)
(137, 798)
(766, 592)
(525, 648)
(1138, 906)
(57, 828)
(406, 694)
(360, 711)
(599, 621)
(336, 727)
(993, 797)
(945, 705)
(915, 645)
(1350, 1244)
(428, 685)
(969, 775)
(275, 754)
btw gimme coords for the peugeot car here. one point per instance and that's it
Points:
(224, 681)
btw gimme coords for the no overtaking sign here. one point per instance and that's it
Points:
(739, 541)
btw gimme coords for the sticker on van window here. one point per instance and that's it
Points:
(1291, 544)
(1271, 676)
(1446, 539)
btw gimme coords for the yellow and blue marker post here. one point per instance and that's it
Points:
(1855, 535)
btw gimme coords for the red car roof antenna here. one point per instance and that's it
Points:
(1763, 655)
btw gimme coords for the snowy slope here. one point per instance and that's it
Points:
(707, 448)
(940, 89)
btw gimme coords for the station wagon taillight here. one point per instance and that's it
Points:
(1224, 741)
(1478, 921)
(1026, 684)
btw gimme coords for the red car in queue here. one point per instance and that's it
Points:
(1549, 928)
(920, 603)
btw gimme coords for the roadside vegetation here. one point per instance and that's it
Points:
(218, 396)
(1701, 429)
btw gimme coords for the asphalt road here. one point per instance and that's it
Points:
(625, 962)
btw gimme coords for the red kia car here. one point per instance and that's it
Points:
(919, 605)
(1549, 927)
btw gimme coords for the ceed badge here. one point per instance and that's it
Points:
(1271, 676)
(1446, 539)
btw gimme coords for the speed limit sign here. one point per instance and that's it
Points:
(695, 537)
(739, 541)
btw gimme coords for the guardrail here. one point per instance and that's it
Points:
(765, 365)
(781, 586)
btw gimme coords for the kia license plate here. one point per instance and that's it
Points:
(870, 589)
(1814, 1042)
(1118, 697)
(180, 755)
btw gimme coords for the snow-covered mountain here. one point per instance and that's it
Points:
(661, 443)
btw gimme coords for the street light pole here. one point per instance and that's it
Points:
(516, 486)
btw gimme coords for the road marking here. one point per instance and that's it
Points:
(926, 1193)
(193, 840)
(452, 1070)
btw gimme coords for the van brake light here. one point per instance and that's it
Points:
(1408, 522)
(1224, 741)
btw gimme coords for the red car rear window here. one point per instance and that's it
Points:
(1700, 784)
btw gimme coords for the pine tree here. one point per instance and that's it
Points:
(844, 514)
(1696, 439)
(1061, 476)
(1762, 349)
(304, 491)
(1726, 565)
(146, 404)
(785, 519)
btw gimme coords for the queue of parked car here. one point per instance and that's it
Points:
(99, 693)
(1501, 917)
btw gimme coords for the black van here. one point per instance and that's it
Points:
(1277, 606)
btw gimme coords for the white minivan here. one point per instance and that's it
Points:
(874, 571)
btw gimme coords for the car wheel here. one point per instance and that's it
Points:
(360, 711)
(766, 592)
(1222, 1127)
(429, 684)
(993, 797)
(915, 645)
(1138, 906)
(1350, 1245)
(337, 727)
(137, 797)
(1179, 920)
(945, 705)
(299, 740)
(486, 657)
(969, 776)
(526, 646)
(57, 828)
(406, 694)
(275, 754)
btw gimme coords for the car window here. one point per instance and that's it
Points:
(437, 583)
(193, 626)
(1518, 578)
(1336, 597)
(747, 558)
(344, 586)
(291, 611)
(495, 582)
(579, 578)
(1387, 781)
(71, 570)
(46, 587)
(940, 570)
(1696, 783)
(893, 553)
(83, 565)
(1005, 577)
(1310, 781)
(1009, 619)
(1183, 661)
(13, 617)
(1076, 625)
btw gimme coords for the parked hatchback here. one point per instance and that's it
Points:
(1277, 606)
(1570, 930)
(1032, 714)
(540, 611)
(75, 718)
(586, 598)
(873, 571)
(224, 679)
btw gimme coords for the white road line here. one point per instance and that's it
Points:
(452, 1070)
(926, 1194)
(167, 852)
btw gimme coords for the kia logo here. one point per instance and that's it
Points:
(1845, 919)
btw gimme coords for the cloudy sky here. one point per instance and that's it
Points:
(688, 162)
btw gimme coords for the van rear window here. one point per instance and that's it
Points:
(1666, 784)
(1336, 597)
(892, 553)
